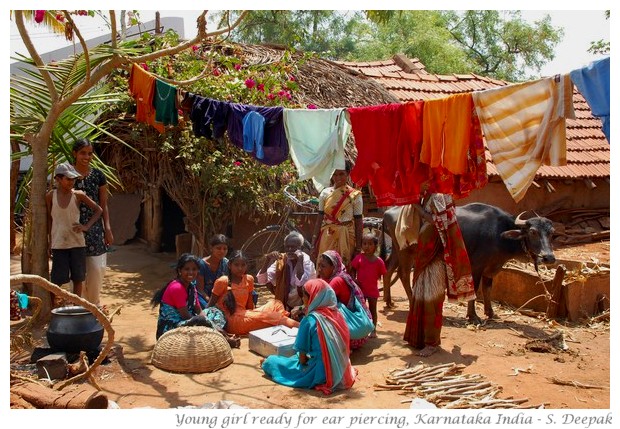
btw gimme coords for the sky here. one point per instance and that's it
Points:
(580, 28)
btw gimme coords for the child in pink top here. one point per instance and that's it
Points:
(368, 268)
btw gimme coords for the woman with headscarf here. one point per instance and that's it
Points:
(322, 344)
(332, 270)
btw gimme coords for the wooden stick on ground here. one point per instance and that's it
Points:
(556, 380)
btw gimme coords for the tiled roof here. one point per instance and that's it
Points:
(588, 153)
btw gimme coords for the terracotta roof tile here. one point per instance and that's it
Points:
(429, 77)
(371, 72)
(447, 78)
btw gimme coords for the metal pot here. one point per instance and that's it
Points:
(72, 329)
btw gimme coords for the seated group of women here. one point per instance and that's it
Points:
(217, 292)
(202, 294)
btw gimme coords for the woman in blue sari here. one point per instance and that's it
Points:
(322, 344)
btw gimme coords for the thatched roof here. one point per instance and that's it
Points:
(322, 82)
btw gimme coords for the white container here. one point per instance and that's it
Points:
(274, 340)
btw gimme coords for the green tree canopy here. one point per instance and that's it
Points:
(492, 43)
(501, 43)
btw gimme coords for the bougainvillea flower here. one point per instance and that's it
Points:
(237, 66)
(216, 72)
(271, 96)
(195, 48)
(38, 16)
(250, 83)
(312, 106)
(260, 87)
(144, 66)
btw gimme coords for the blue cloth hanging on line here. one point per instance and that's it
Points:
(593, 83)
(253, 133)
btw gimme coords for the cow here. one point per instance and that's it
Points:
(491, 236)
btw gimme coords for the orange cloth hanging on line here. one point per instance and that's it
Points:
(446, 132)
(142, 88)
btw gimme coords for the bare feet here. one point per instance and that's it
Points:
(427, 351)
(234, 341)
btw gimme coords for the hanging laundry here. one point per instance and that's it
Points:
(275, 144)
(376, 130)
(593, 83)
(525, 126)
(253, 132)
(142, 88)
(165, 103)
(446, 132)
(317, 139)
(209, 117)
(410, 172)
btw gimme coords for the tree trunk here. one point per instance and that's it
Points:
(38, 239)
(14, 180)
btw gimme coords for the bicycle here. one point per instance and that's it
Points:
(271, 237)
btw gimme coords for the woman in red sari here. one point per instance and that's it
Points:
(441, 264)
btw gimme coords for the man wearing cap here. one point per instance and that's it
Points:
(66, 233)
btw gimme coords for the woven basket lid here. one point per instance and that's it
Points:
(192, 349)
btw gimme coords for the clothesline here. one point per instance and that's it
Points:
(404, 149)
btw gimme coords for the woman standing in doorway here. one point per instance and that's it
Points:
(93, 182)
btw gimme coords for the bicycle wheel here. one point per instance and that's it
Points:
(267, 240)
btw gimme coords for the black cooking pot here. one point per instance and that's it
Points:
(72, 329)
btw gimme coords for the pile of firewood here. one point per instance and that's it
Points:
(580, 225)
(446, 387)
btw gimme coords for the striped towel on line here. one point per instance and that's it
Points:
(525, 126)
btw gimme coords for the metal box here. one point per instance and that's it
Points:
(274, 340)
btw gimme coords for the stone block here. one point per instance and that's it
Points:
(53, 366)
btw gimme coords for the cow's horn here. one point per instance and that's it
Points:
(518, 221)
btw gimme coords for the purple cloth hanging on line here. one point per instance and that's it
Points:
(209, 117)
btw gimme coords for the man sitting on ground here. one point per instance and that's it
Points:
(284, 274)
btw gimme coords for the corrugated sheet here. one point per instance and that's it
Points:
(588, 153)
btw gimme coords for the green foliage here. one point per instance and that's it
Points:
(232, 183)
(501, 43)
(30, 103)
(417, 34)
(328, 32)
(491, 43)
(600, 47)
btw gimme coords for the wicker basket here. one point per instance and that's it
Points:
(192, 349)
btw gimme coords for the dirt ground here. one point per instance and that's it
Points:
(495, 350)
